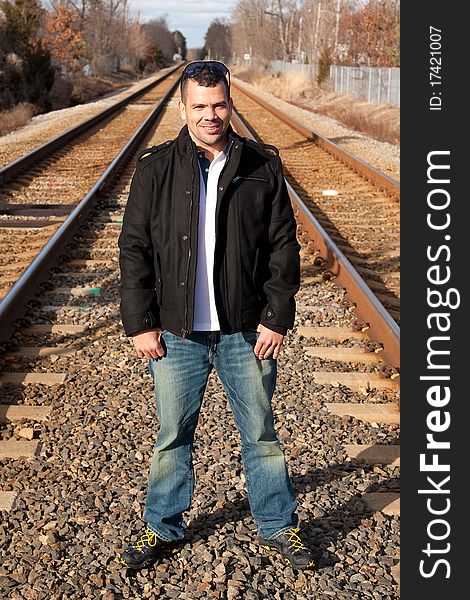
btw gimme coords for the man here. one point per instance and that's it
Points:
(209, 271)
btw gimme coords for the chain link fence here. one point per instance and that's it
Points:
(378, 85)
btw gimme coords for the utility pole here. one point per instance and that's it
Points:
(299, 47)
(338, 11)
(315, 42)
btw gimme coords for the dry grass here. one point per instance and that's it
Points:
(64, 94)
(89, 88)
(287, 88)
(379, 121)
(16, 117)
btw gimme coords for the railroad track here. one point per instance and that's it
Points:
(70, 385)
(40, 189)
(362, 217)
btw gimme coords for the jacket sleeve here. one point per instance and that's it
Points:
(139, 306)
(284, 261)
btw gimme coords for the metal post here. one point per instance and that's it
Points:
(398, 89)
(389, 84)
(379, 85)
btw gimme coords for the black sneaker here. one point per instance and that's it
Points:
(291, 547)
(147, 549)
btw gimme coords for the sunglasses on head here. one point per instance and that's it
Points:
(215, 67)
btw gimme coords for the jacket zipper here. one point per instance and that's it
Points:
(186, 331)
(220, 177)
(229, 151)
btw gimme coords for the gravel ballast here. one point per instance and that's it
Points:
(80, 499)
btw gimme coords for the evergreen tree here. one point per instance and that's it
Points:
(26, 73)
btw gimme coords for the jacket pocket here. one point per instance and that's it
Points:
(249, 178)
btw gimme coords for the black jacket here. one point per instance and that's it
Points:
(256, 266)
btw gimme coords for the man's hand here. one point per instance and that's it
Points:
(269, 342)
(147, 343)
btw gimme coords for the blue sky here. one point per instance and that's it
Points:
(191, 17)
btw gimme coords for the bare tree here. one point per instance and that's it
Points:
(285, 12)
(320, 28)
(163, 41)
(353, 31)
(111, 36)
(138, 45)
(255, 31)
(106, 22)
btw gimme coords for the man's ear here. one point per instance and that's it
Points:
(182, 109)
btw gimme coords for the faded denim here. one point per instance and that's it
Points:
(180, 380)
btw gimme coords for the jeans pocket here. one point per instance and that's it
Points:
(251, 336)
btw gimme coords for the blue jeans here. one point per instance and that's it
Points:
(180, 380)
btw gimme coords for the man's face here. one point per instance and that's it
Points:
(207, 111)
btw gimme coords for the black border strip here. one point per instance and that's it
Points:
(434, 399)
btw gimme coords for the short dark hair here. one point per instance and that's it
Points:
(206, 78)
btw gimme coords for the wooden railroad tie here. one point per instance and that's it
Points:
(373, 454)
(356, 381)
(89, 262)
(339, 334)
(35, 352)
(349, 355)
(49, 328)
(388, 412)
(387, 503)
(76, 291)
(18, 449)
(27, 378)
(17, 412)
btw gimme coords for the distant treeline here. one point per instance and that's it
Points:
(39, 45)
(319, 32)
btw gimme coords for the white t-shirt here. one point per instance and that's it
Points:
(205, 311)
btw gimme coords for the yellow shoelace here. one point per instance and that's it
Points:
(294, 539)
(149, 537)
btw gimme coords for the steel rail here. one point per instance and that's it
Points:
(14, 305)
(368, 307)
(382, 180)
(19, 165)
